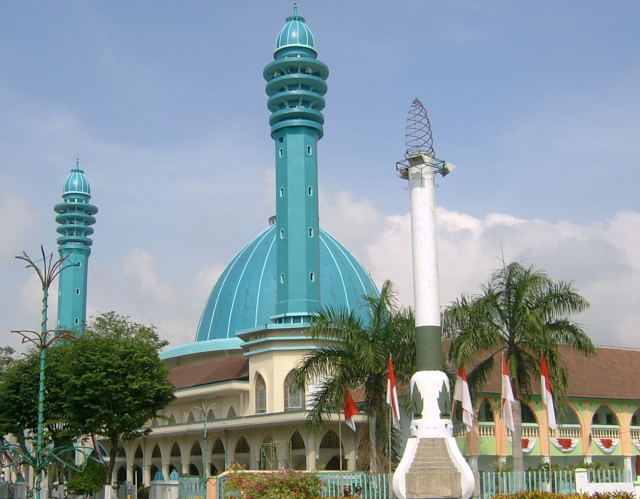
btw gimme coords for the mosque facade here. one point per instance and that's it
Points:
(234, 381)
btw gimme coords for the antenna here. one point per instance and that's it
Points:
(419, 142)
(418, 138)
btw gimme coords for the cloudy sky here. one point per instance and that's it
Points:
(537, 103)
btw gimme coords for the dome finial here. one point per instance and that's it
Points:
(295, 8)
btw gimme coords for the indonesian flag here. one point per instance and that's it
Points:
(392, 396)
(507, 397)
(461, 394)
(547, 396)
(350, 410)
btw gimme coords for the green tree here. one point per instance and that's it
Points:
(19, 393)
(90, 480)
(353, 353)
(522, 314)
(19, 411)
(6, 358)
(116, 381)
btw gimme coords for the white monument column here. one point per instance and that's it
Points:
(432, 465)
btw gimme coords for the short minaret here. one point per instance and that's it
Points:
(295, 86)
(75, 216)
(432, 465)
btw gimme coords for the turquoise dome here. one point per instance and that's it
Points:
(245, 295)
(76, 182)
(295, 38)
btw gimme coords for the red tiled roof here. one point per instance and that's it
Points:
(614, 373)
(235, 367)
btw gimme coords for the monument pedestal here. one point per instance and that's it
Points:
(432, 465)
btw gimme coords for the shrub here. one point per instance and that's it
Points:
(538, 494)
(273, 485)
(91, 479)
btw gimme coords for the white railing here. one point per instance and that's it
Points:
(528, 431)
(486, 430)
(459, 430)
(635, 433)
(605, 432)
(567, 432)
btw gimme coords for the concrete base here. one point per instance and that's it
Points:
(432, 465)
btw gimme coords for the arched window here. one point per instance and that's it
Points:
(196, 450)
(635, 419)
(293, 396)
(527, 414)
(242, 446)
(297, 441)
(172, 419)
(210, 415)
(566, 415)
(485, 415)
(604, 417)
(330, 440)
(218, 447)
(261, 395)
(191, 418)
(232, 413)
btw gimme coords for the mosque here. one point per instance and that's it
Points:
(237, 374)
(234, 381)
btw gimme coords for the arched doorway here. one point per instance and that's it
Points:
(330, 452)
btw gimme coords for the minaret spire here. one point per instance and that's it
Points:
(75, 216)
(296, 86)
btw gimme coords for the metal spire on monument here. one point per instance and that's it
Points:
(432, 465)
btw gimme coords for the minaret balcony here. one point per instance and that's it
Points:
(296, 114)
(297, 65)
(301, 81)
(295, 98)
(75, 218)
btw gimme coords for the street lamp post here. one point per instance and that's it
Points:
(205, 446)
(43, 340)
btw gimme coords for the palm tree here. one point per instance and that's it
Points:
(522, 314)
(353, 353)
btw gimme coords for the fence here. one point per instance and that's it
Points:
(192, 488)
(561, 482)
(492, 482)
(374, 486)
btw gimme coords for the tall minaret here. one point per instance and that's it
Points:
(75, 216)
(295, 86)
(432, 464)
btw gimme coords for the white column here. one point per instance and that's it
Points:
(424, 245)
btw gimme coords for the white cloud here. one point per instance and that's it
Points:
(142, 268)
(600, 259)
(16, 223)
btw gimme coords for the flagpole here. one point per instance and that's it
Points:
(390, 470)
(390, 420)
(340, 450)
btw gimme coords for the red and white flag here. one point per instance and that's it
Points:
(547, 395)
(461, 394)
(392, 396)
(350, 410)
(507, 397)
